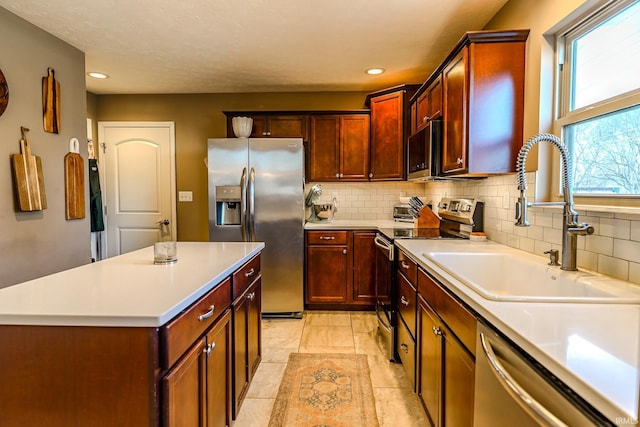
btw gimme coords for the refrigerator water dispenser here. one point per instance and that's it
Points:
(228, 205)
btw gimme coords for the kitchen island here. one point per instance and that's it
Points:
(108, 343)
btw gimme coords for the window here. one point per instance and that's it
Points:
(599, 104)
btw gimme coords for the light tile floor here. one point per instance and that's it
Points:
(329, 332)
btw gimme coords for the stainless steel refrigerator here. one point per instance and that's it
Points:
(256, 193)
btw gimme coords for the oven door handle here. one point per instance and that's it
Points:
(381, 317)
(385, 246)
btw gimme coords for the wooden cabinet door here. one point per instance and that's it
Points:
(324, 148)
(459, 375)
(422, 110)
(254, 327)
(218, 359)
(364, 267)
(327, 274)
(434, 92)
(387, 144)
(240, 351)
(429, 358)
(454, 150)
(354, 147)
(259, 129)
(183, 390)
(287, 127)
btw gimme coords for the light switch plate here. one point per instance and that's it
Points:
(185, 196)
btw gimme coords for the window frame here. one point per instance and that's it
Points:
(562, 95)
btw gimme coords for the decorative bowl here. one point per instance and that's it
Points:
(242, 126)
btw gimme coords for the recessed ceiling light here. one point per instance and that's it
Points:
(375, 71)
(97, 75)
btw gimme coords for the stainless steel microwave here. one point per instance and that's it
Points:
(424, 152)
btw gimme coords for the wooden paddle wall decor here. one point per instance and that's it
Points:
(74, 182)
(51, 102)
(28, 178)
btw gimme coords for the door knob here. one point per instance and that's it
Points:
(164, 222)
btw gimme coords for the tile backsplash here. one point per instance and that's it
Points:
(613, 250)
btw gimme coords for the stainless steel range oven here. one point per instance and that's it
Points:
(458, 218)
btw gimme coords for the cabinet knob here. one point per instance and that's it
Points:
(341, 175)
(404, 265)
(425, 119)
(371, 175)
(337, 175)
(264, 134)
(344, 251)
(209, 348)
(436, 330)
(403, 300)
(251, 296)
(268, 133)
(459, 161)
(404, 348)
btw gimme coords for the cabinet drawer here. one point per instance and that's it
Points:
(326, 237)
(407, 352)
(408, 267)
(407, 298)
(181, 332)
(245, 275)
(457, 317)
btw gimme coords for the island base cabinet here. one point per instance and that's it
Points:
(247, 353)
(76, 376)
(197, 390)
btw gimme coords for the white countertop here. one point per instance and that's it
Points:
(592, 348)
(348, 224)
(127, 290)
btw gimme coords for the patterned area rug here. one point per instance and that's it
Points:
(325, 390)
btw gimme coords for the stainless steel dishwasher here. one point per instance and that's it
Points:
(510, 390)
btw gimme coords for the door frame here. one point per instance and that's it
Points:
(172, 172)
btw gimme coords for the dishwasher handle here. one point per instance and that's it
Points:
(524, 399)
(384, 246)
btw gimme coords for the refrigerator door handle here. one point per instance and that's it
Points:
(251, 195)
(243, 204)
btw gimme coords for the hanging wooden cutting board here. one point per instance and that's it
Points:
(28, 178)
(4, 93)
(51, 102)
(74, 182)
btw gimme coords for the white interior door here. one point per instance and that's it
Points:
(138, 159)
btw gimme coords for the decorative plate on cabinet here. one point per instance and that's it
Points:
(4, 93)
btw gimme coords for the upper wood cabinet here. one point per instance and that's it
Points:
(482, 103)
(390, 128)
(428, 105)
(272, 124)
(338, 148)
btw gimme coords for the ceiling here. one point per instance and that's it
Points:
(219, 46)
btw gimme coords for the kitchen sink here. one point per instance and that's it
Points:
(504, 276)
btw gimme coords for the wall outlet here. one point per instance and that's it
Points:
(185, 196)
(505, 200)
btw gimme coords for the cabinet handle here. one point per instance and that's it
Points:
(208, 314)
(344, 251)
(250, 273)
(404, 348)
(327, 237)
(209, 348)
(404, 265)
(436, 330)
(459, 161)
(251, 296)
(403, 300)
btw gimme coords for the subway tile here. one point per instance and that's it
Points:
(613, 267)
(535, 232)
(618, 228)
(635, 230)
(587, 260)
(634, 272)
(599, 244)
(626, 249)
(552, 235)
(527, 245)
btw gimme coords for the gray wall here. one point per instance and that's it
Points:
(34, 244)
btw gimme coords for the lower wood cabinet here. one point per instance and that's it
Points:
(247, 351)
(446, 365)
(340, 269)
(197, 390)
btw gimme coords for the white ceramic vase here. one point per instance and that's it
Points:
(242, 126)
